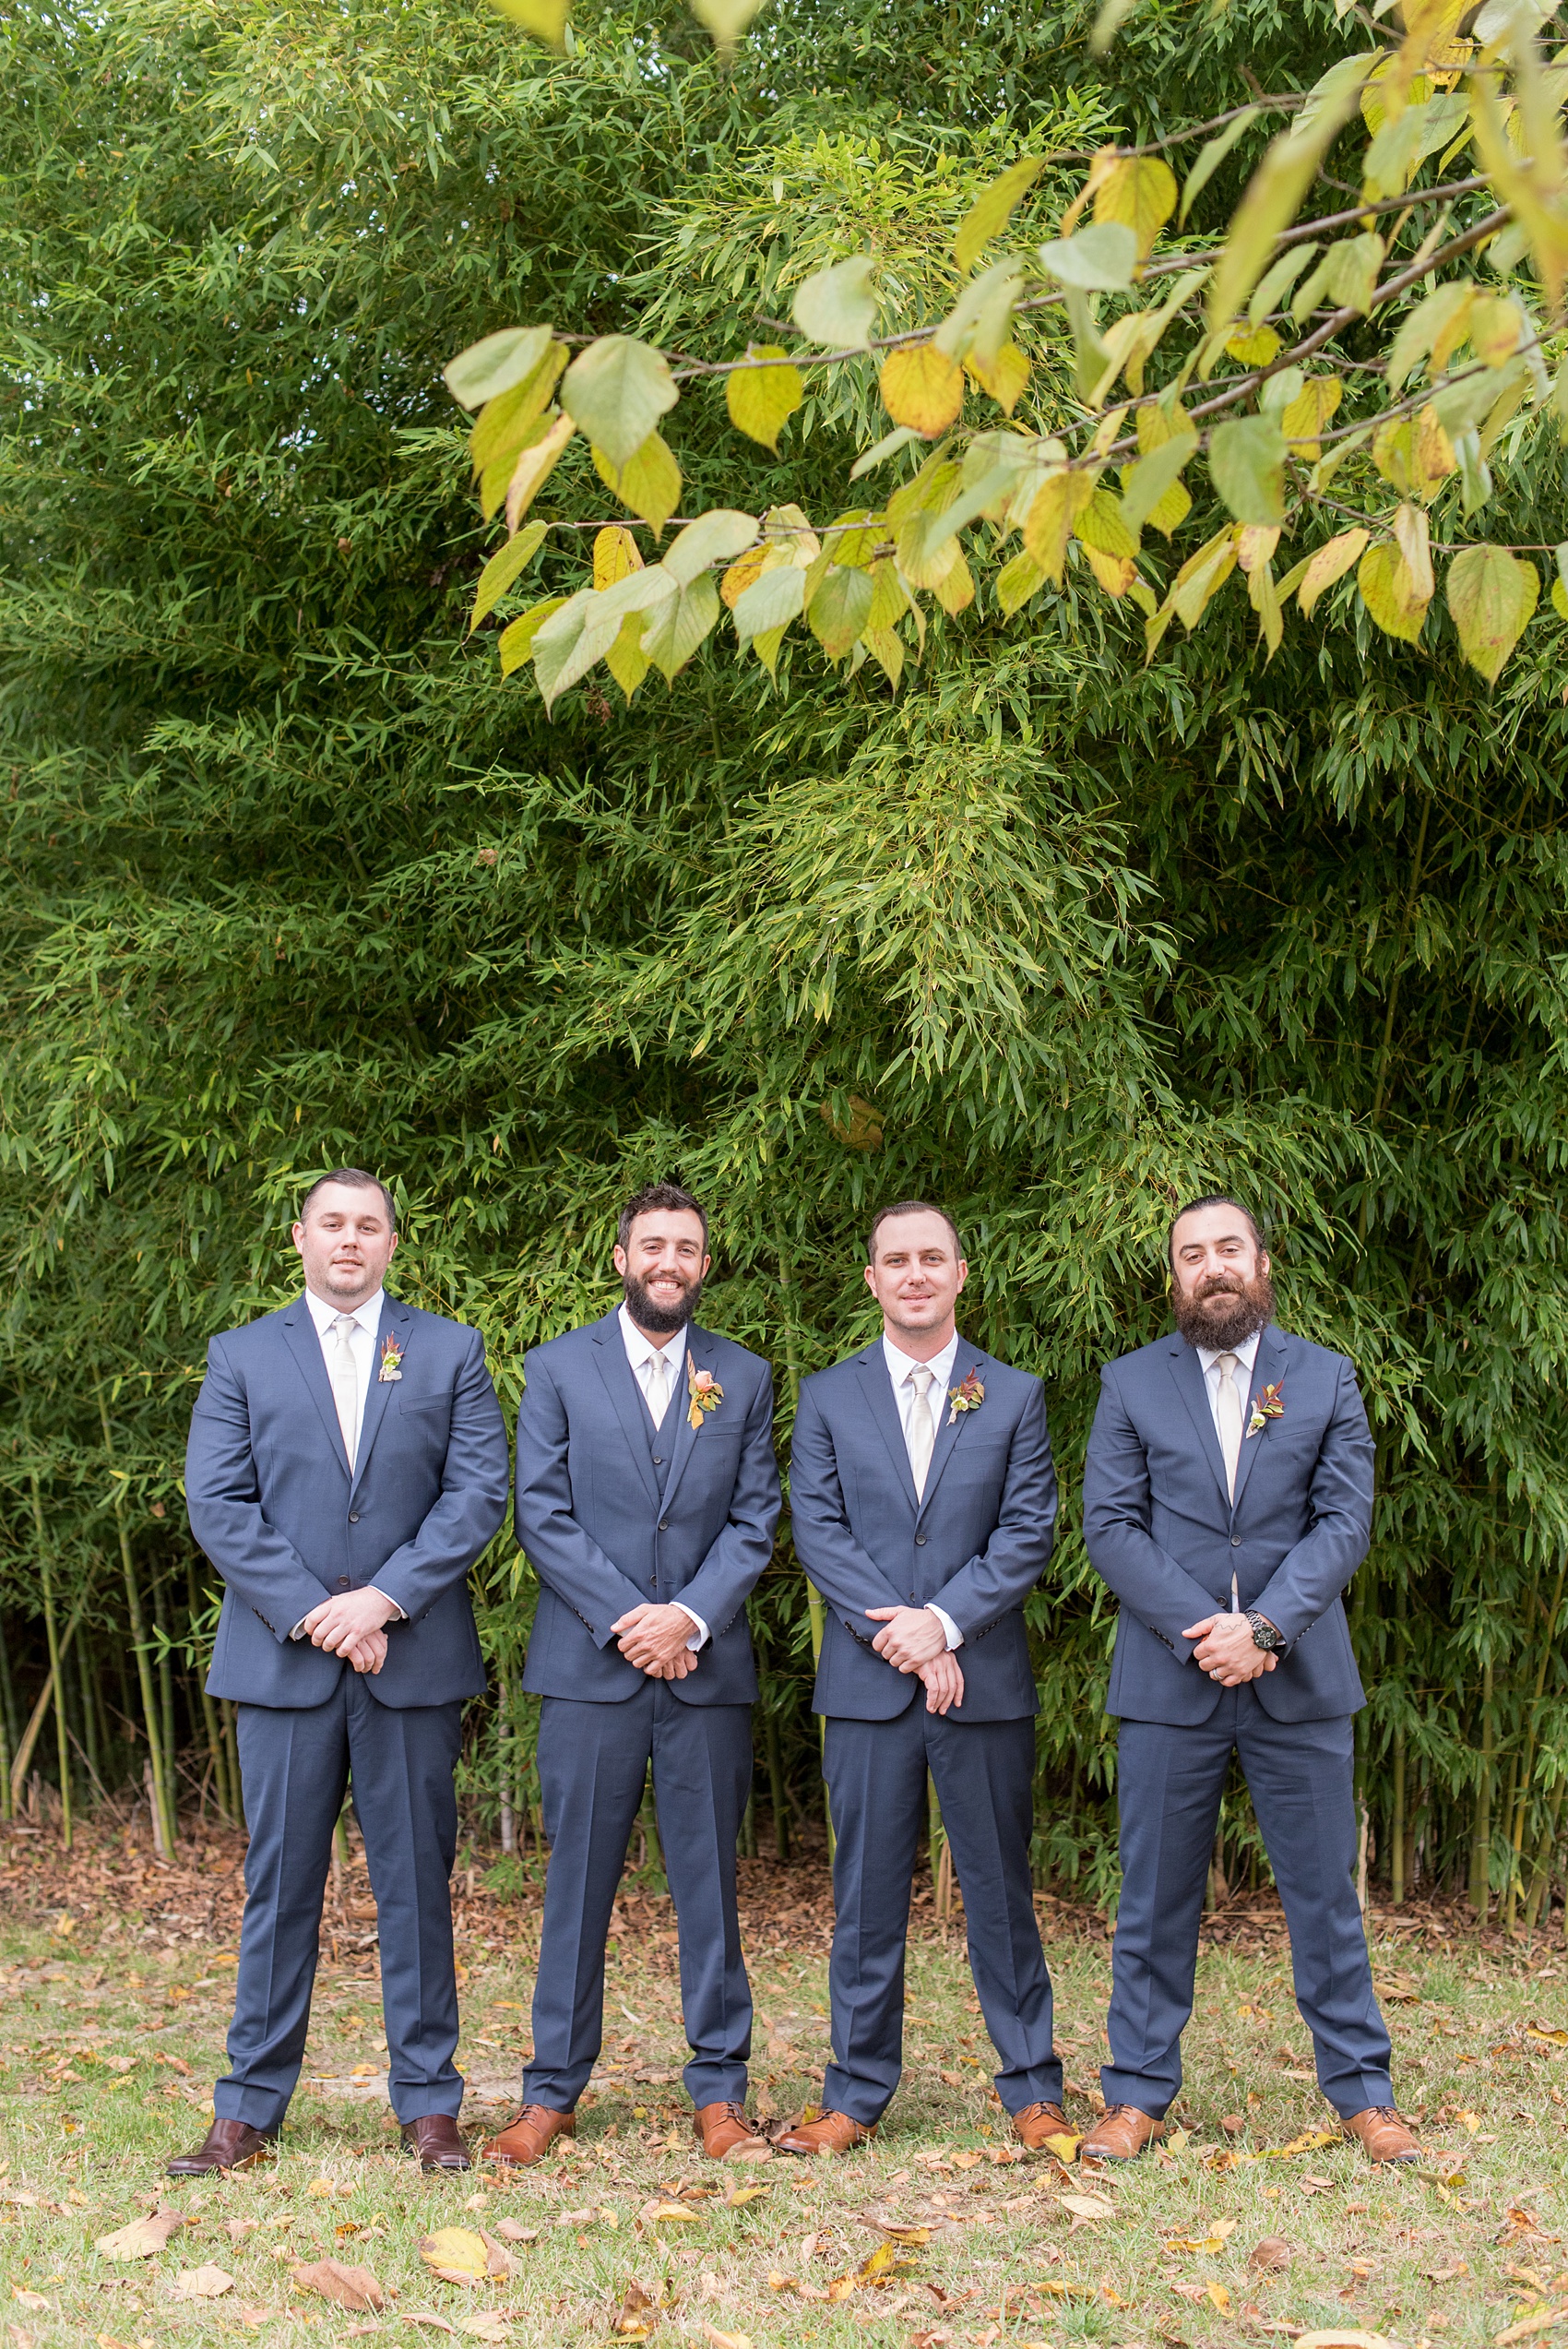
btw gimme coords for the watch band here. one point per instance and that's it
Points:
(1266, 1635)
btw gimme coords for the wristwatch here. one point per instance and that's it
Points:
(1264, 1634)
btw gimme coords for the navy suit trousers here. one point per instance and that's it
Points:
(295, 1764)
(1169, 1781)
(593, 1761)
(876, 1778)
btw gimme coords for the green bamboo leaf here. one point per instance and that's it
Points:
(1210, 158)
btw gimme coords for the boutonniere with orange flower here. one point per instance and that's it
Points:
(1270, 1404)
(702, 1392)
(966, 1397)
(391, 1361)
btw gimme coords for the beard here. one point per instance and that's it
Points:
(651, 1314)
(1225, 1311)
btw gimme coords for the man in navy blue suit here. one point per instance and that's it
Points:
(648, 1494)
(347, 1464)
(923, 1501)
(1228, 1498)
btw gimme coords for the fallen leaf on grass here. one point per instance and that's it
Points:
(737, 2199)
(1272, 2253)
(142, 2237)
(237, 2229)
(514, 2231)
(1334, 2339)
(488, 2324)
(664, 2213)
(726, 2340)
(30, 2299)
(207, 2282)
(350, 2287)
(1220, 2297)
(1088, 2206)
(968, 2161)
(778, 2282)
(459, 2255)
(1537, 2323)
(913, 2236)
(1469, 2122)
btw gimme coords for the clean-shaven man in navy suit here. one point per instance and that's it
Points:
(647, 1494)
(923, 1502)
(347, 1464)
(1227, 1499)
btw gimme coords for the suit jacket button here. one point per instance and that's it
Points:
(1235, 1540)
(658, 1459)
(353, 1516)
(342, 1582)
(664, 1525)
(920, 1541)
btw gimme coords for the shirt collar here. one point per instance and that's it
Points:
(368, 1315)
(1246, 1353)
(640, 1347)
(899, 1363)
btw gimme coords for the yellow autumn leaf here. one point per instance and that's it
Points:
(1002, 378)
(1140, 192)
(455, 2250)
(1330, 563)
(922, 389)
(762, 399)
(615, 556)
(1492, 595)
(1389, 593)
(1057, 503)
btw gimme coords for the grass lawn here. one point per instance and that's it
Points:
(115, 2010)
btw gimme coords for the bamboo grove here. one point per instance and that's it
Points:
(1060, 932)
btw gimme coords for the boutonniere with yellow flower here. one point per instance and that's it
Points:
(702, 1392)
(1270, 1404)
(966, 1397)
(391, 1361)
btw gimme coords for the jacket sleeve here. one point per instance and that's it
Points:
(1309, 1577)
(847, 1575)
(565, 1558)
(1001, 1575)
(223, 1503)
(726, 1576)
(472, 1505)
(1149, 1582)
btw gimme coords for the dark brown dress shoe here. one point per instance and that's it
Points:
(829, 2133)
(723, 2130)
(438, 2141)
(530, 2136)
(1384, 2134)
(1037, 2124)
(228, 2145)
(1121, 2134)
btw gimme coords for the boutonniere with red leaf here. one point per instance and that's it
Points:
(968, 1396)
(1270, 1404)
(702, 1392)
(391, 1361)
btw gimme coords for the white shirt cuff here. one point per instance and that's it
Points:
(399, 1615)
(701, 1639)
(955, 1636)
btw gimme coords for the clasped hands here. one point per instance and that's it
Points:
(1226, 1651)
(350, 1625)
(911, 1639)
(657, 1639)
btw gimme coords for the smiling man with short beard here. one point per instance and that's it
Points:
(1228, 1496)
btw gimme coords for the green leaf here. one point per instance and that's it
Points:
(713, 538)
(1103, 525)
(546, 19)
(1246, 463)
(1016, 582)
(836, 307)
(560, 656)
(1098, 259)
(486, 369)
(1492, 595)
(504, 569)
(679, 625)
(1275, 191)
(515, 644)
(1328, 563)
(504, 421)
(1276, 283)
(992, 210)
(889, 446)
(534, 467)
(770, 602)
(1389, 593)
(761, 400)
(979, 320)
(617, 389)
(1145, 483)
(1139, 191)
(651, 484)
(1211, 157)
(839, 610)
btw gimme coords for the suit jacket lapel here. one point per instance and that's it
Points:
(1188, 1372)
(300, 1331)
(394, 1315)
(684, 1438)
(1268, 1366)
(878, 1390)
(949, 1426)
(610, 1354)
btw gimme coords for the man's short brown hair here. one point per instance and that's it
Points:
(354, 1178)
(1212, 1198)
(660, 1198)
(910, 1207)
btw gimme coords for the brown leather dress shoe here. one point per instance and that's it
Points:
(723, 2130)
(530, 2136)
(1384, 2134)
(228, 2145)
(438, 2141)
(829, 2133)
(1037, 2124)
(1121, 2134)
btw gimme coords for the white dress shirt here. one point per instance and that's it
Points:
(1246, 1353)
(361, 1345)
(641, 1353)
(906, 1395)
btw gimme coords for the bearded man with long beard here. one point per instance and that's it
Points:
(648, 1494)
(1228, 1496)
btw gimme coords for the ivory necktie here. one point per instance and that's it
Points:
(658, 1387)
(346, 1383)
(1229, 1417)
(922, 1429)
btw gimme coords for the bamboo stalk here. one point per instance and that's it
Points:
(1480, 1821)
(1515, 1886)
(9, 1726)
(1397, 1822)
(52, 1634)
(35, 1719)
(166, 1696)
(163, 1826)
(1540, 1877)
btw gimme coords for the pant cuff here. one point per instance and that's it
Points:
(418, 2104)
(258, 2107)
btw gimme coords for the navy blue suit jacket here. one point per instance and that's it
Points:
(977, 1542)
(595, 1530)
(1161, 1531)
(272, 1503)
